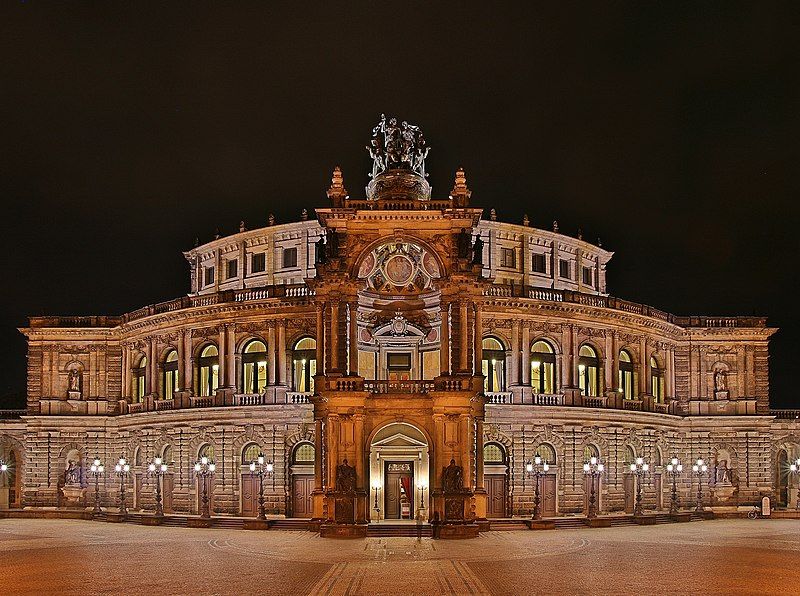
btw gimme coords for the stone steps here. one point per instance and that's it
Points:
(399, 530)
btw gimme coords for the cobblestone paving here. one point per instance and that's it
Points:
(713, 557)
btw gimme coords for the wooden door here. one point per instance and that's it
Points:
(393, 497)
(249, 495)
(630, 493)
(392, 504)
(496, 492)
(548, 495)
(659, 491)
(302, 490)
(167, 489)
(137, 491)
(587, 490)
(199, 492)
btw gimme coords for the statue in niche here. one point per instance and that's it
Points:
(452, 478)
(72, 475)
(332, 249)
(720, 380)
(74, 381)
(464, 239)
(345, 478)
(722, 473)
(477, 252)
(322, 251)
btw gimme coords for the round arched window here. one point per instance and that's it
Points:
(543, 367)
(588, 371)
(494, 454)
(625, 374)
(304, 364)
(254, 367)
(493, 365)
(170, 374)
(208, 365)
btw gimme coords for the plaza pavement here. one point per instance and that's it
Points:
(713, 557)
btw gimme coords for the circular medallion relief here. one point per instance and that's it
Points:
(399, 269)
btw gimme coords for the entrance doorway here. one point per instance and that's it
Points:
(398, 472)
(630, 496)
(303, 483)
(399, 490)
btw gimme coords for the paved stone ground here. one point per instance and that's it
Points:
(712, 557)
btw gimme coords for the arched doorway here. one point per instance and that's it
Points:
(548, 487)
(782, 477)
(495, 479)
(206, 450)
(249, 482)
(11, 481)
(302, 472)
(629, 480)
(591, 452)
(399, 470)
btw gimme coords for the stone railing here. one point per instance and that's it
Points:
(164, 404)
(786, 414)
(201, 402)
(409, 386)
(136, 408)
(632, 404)
(594, 402)
(498, 397)
(11, 414)
(548, 399)
(298, 397)
(249, 399)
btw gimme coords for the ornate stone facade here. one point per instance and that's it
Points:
(413, 339)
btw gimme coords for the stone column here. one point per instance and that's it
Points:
(272, 361)
(644, 366)
(353, 335)
(280, 345)
(358, 428)
(230, 355)
(318, 480)
(126, 371)
(320, 338)
(608, 368)
(513, 369)
(181, 360)
(444, 340)
(479, 453)
(615, 359)
(333, 448)
(526, 355)
(221, 349)
(668, 380)
(478, 339)
(439, 452)
(334, 339)
(188, 372)
(148, 351)
(463, 362)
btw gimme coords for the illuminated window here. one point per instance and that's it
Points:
(209, 275)
(588, 371)
(209, 370)
(289, 257)
(250, 453)
(493, 365)
(304, 364)
(625, 375)
(140, 380)
(304, 453)
(254, 362)
(588, 276)
(589, 452)
(233, 268)
(493, 453)
(206, 450)
(508, 258)
(538, 263)
(547, 453)
(543, 367)
(258, 262)
(170, 374)
(656, 381)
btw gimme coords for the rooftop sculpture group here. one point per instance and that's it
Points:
(397, 146)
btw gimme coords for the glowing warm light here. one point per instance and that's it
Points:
(537, 460)
(593, 460)
(252, 466)
(633, 467)
(270, 467)
(212, 467)
(546, 466)
(197, 467)
(204, 460)
(585, 467)
(600, 467)
(529, 467)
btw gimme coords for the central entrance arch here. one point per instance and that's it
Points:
(399, 466)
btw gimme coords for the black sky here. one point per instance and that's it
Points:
(669, 130)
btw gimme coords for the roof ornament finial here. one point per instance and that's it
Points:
(304, 215)
(461, 192)
(241, 226)
(555, 226)
(337, 193)
(492, 214)
(216, 234)
(397, 146)
(271, 220)
(580, 233)
(526, 221)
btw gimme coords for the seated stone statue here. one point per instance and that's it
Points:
(345, 478)
(452, 478)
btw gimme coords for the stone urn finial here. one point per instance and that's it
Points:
(337, 193)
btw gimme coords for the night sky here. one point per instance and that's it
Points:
(668, 131)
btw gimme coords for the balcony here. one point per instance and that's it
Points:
(11, 414)
(786, 414)
(408, 386)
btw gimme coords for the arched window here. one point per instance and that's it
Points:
(137, 457)
(625, 374)
(658, 458)
(209, 370)
(494, 454)
(543, 367)
(254, 362)
(304, 454)
(656, 381)
(170, 374)
(588, 367)
(207, 450)
(547, 453)
(630, 456)
(250, 453)
(589, 452)
(493, 365)
(304, 364)
(140, 380)
(166, 454)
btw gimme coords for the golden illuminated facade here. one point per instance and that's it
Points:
(399, 356)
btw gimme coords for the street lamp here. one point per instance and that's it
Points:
(204, 468)
(593, 469)
(639, 469)
(674, 468)
(376, 487)
(122, 469)
(96, 469)
(260, 468)
(157, 468)
(794, 468)
(422, 486)
(699, 469)
(536, 468)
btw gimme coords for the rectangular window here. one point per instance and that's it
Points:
(233, 268)
(258, 262)
(289, 258)
(398, 361)
(539, 263)
(209, 276)
(587, 276)
(508, 258)
(563, 269)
